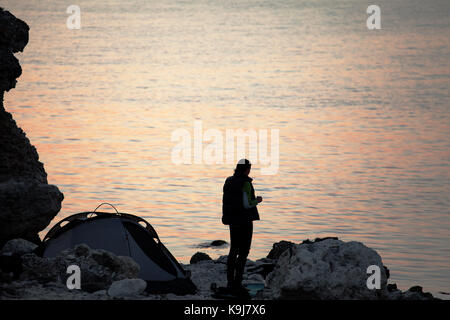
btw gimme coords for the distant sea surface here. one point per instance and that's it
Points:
(363, 118)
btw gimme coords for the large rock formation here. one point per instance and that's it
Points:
(326, 270)
(27, 202)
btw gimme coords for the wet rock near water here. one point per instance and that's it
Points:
(413, 293)
(199, 256)
(278, 248)
(416, 293)
(307, 241)
(212, 244)
(218, 243)
(391, 287)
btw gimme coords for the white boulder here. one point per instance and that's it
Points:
(329, 269)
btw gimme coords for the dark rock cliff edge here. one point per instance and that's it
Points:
(27, 202)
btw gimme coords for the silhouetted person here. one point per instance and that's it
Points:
(239, 211)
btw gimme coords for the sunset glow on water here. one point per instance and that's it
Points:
(363, 119)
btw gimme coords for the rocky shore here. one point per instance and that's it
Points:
(324, 269)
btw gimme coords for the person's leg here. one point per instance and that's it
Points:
(232, 255)
(245, 242)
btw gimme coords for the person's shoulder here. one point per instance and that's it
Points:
(229, 179)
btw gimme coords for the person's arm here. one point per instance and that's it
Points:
(247, 196)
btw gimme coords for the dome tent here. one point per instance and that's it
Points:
(124, 235)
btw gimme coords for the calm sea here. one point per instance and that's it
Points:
(363, 118)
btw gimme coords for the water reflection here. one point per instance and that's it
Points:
(363, 119)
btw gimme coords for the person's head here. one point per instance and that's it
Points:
(243, 168)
